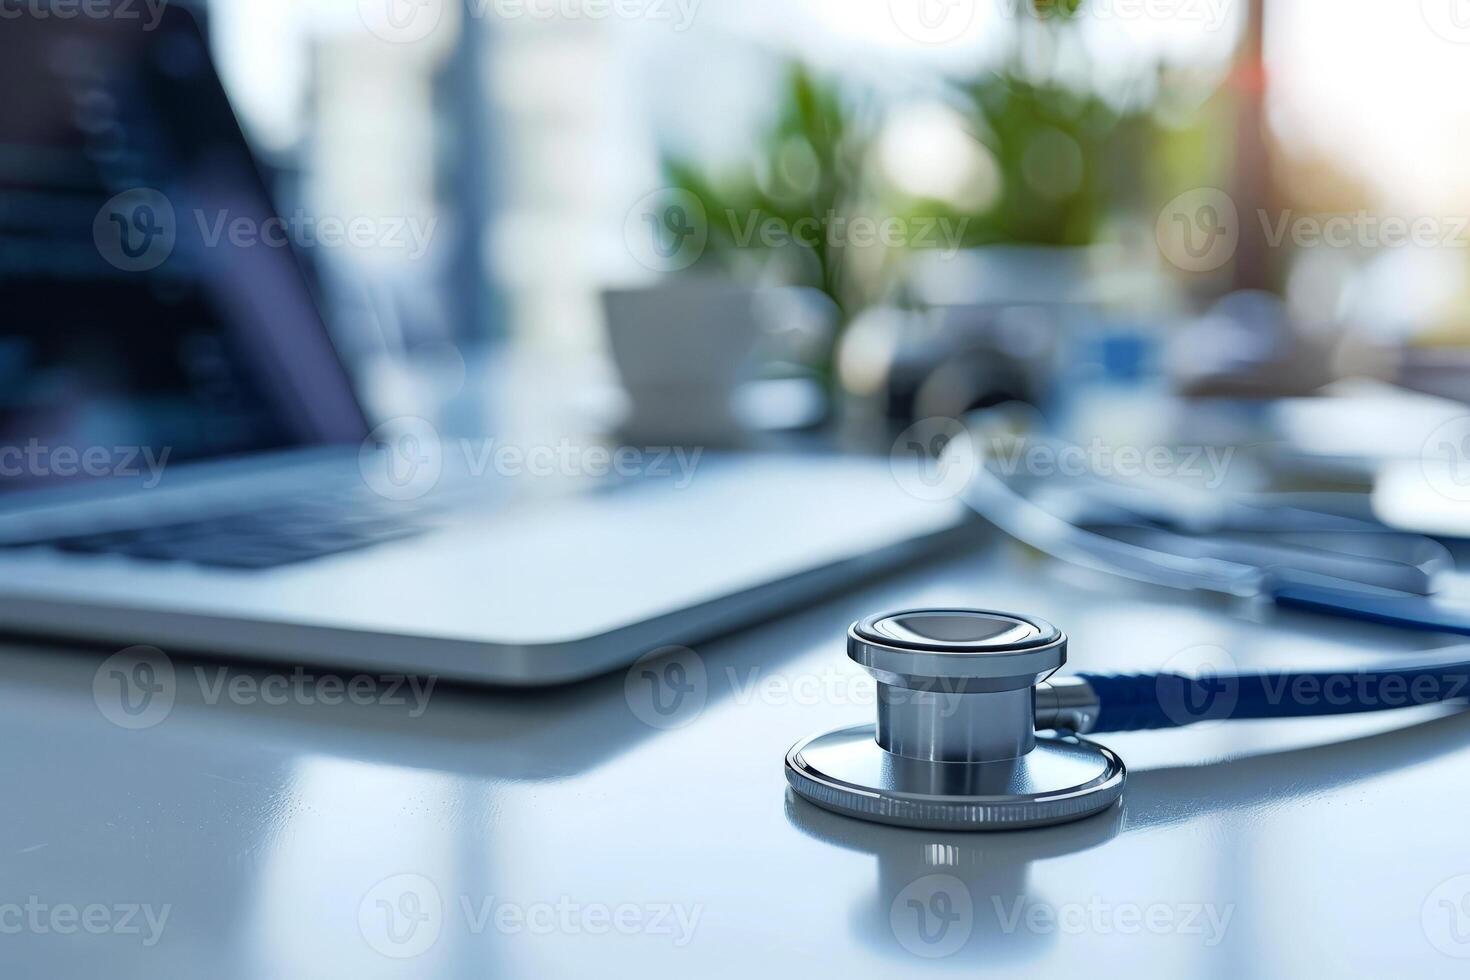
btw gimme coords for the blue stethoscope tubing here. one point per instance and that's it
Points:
(1139, 702)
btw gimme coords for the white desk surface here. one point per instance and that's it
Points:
(556, 833)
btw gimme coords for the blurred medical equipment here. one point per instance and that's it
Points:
(962, 694)
(1247, 345)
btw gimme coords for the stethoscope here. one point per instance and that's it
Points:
(963, 694)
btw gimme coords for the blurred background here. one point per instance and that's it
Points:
(835, 217)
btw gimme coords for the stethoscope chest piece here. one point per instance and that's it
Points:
(955, 745)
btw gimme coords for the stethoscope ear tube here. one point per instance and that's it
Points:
(1345, 566)
(1406, 611)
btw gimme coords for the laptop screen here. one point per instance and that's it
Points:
(138, 311)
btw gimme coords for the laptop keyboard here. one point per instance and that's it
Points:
(265, 537)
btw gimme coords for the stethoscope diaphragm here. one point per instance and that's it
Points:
(955, 744)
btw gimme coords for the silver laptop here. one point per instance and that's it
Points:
(184, 462)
